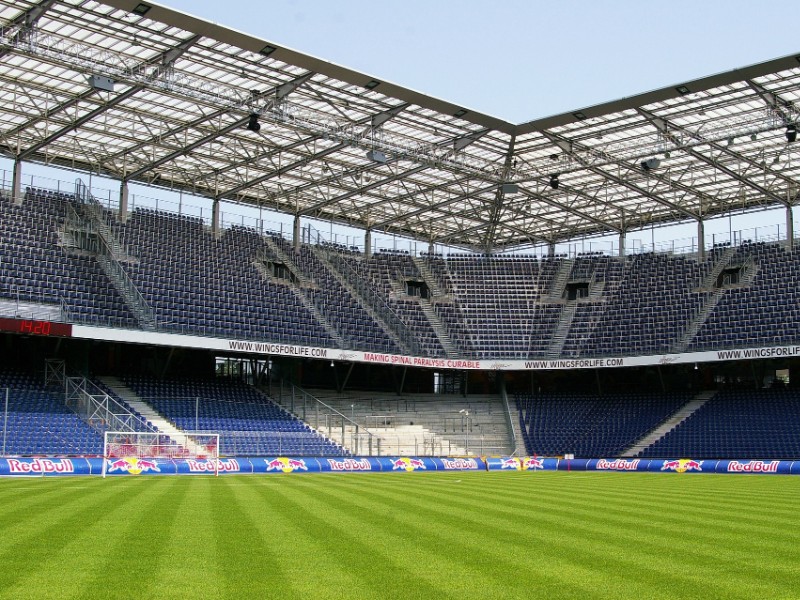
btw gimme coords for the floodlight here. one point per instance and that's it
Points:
(376, 156)
(579, 115)
(253, 124)
(460, 113)
(141, 9)
(267, 50)
(372, 84)
(650, 164)
(682, 90)
(510, 188)
(791, 132)
(554, 182)
(101, 82)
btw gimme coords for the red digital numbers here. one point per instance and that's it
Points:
(36, 327)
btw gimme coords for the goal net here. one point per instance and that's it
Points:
(137, 452)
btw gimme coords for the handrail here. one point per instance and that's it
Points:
(375, 300)
(371, 438)
(504, 395)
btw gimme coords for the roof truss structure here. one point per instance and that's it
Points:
(345, 146)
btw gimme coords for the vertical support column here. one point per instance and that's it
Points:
(123, 201)
(16, 182)
(789, 226)
(215, 229)
(551, 248)
(431, 248)
(368, 243)
(296, 233)
(621, 244)
(701, 239)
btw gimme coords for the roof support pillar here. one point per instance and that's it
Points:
(621, 244)
(790, 226)
(215, 228)
(296, 233)
(431, 248)
(551, 249)
(123, 202)
(701, 239)
(16, 182)
(368, 243)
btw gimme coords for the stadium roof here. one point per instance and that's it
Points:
(140, 92)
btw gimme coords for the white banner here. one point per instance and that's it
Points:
(276, 349)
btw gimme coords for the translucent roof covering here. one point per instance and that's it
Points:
(140, 92)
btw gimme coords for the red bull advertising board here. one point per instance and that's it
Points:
(44, 467)
(459, 464)
(520, 463)
(285, 464)
(192, 466)
(140, 466)
(755, 467)
(619, 464)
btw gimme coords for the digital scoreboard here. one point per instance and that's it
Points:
(36, 327)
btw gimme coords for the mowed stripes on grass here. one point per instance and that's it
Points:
(402, 535)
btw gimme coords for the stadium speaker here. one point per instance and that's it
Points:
(376, 156)
(791, 132)
(650, 164)
(554, 182)
(253, 124)
(510, 188)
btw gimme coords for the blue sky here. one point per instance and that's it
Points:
(519, 60)
(516, 59)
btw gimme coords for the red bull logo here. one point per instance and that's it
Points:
(459, 464)
(619, 464)
(208, 466)
(753, 466)
(132, 466)
(286, 465)
(511, 463)
(407, 464)
(40, 465)
(532, 463)
(350, 464)
(682, 465)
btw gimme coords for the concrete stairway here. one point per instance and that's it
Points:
(697, 321)
(439, 329)
(302, 279)
(664, 428)
(556, 292)
(148, 412)
(440, 424)
(556, 344)
(366, 304)
(429, 278)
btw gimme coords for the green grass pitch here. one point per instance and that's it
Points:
(402, 535)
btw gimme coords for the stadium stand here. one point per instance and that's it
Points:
(39, 267)
(591, 425)
(755, 423)
(488, 307)
(40, 424)
(248, 422)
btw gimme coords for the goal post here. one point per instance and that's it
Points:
(133, 451)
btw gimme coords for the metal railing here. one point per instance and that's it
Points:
(327, 420)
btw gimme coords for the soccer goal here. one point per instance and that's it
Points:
(138, 452)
